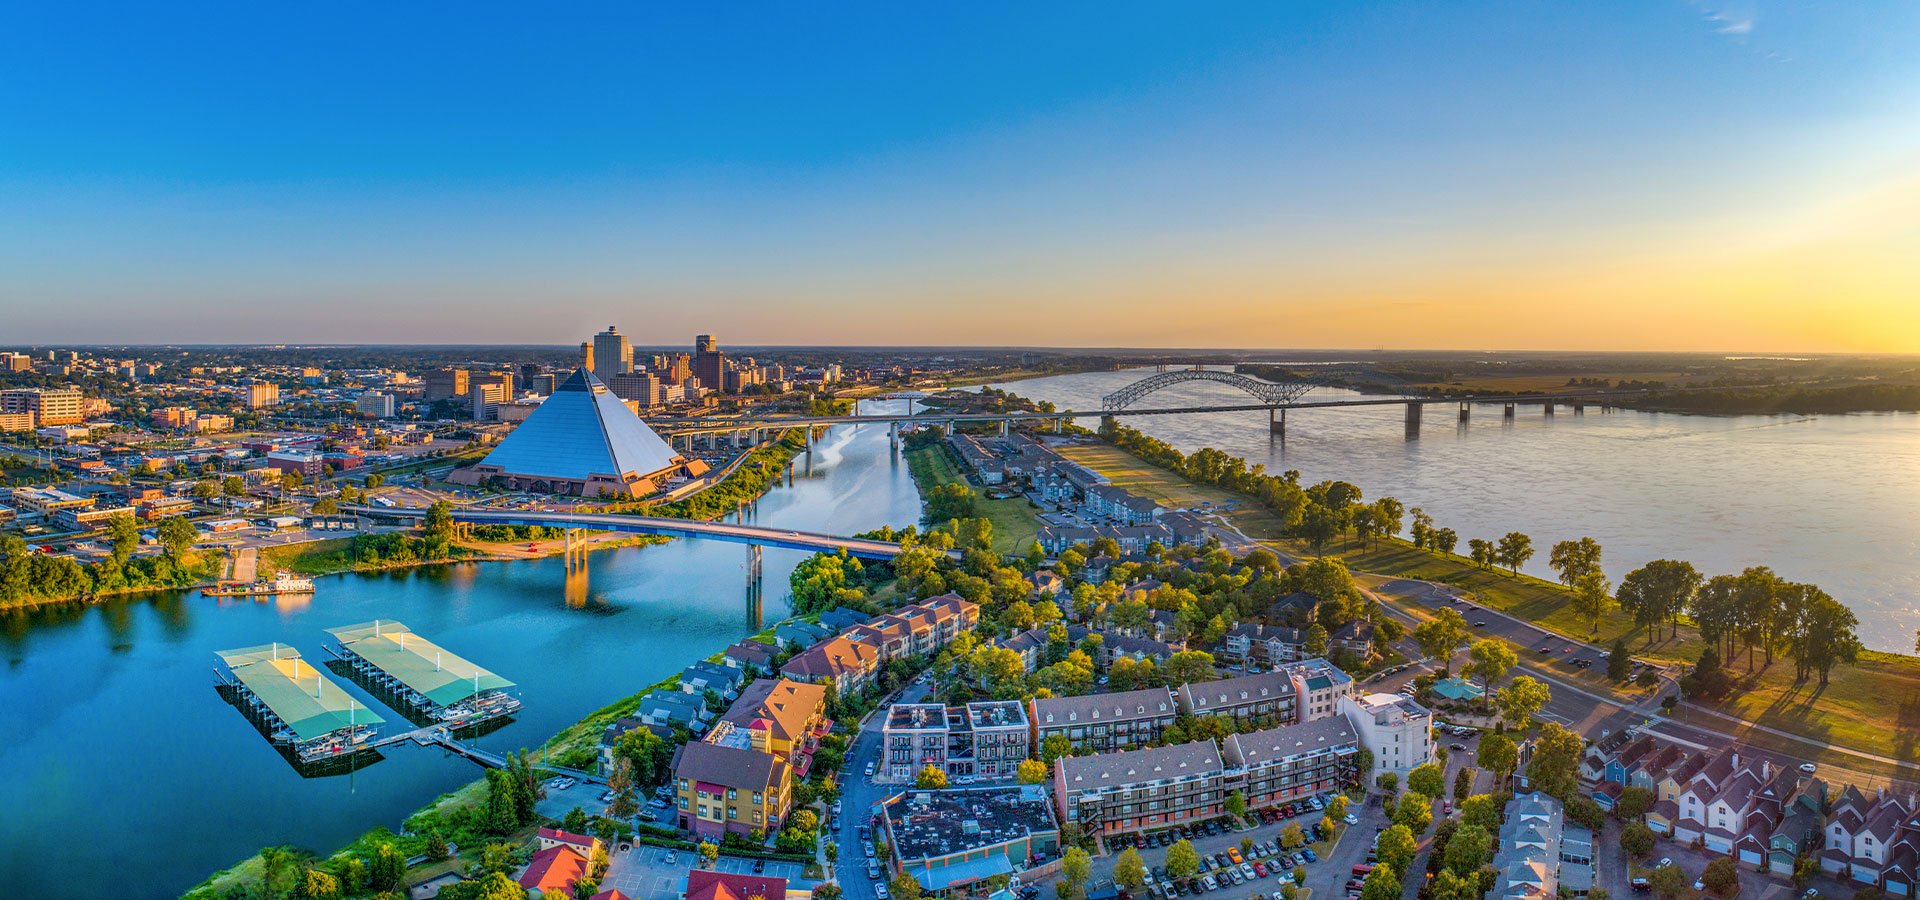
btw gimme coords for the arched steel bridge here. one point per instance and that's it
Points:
(864, 548)
(1270, 393)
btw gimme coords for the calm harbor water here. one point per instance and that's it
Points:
(1823, 499)
(126, 775)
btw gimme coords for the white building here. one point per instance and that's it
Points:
(375, 404)
(1396, 730)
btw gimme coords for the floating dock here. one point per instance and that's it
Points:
(284, 584)
(300, 707)
(434, 683)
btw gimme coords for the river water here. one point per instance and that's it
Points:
(1827, 499)
(123, 773)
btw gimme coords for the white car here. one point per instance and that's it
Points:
(1808, 768)
(880, 890)
(869, 770)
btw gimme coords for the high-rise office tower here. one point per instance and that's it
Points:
(709, 364)
(612, 354)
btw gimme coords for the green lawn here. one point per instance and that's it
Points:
(1015, 521)
(1148, 480)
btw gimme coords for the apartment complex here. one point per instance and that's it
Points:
(1106, 722)
(950, 839)
(853, 657)
(984, 739)
(1292, 761)
(740, 776)
(1135, 790)
(1540, 854)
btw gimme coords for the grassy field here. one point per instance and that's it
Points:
(1148, 480)
(1872, 707)
(1015, 522)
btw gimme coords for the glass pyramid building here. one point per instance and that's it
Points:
(584, 441)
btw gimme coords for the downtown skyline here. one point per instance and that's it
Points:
(1665, 177)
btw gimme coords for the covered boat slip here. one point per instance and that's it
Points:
(316, 714)
(421, 671)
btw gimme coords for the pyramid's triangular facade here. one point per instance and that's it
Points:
(583, 440)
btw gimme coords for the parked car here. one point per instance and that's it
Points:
(880, 890)
(1311, 856)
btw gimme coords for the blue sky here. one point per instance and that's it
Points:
(1445, 175)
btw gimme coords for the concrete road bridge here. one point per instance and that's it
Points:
(752, 535)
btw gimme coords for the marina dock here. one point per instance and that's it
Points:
(298, 705)
(432, 682)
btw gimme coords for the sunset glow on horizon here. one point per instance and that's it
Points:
(1661, 176)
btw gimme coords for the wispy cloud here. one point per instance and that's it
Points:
(1735, 20)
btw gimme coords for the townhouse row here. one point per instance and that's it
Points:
(1763, 811)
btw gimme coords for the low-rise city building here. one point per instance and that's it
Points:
(954, 838)
(1105, 722)
(1137, 790)
(1395, 729)
(985, 739)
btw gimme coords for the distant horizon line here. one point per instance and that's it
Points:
(1781, 355)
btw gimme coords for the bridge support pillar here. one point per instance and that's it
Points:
(1109, 422)
(1277, 421)
(1005, 425)
(1579, 409)
(1466, 411)
(1508, 412)
(1414, 410)
(1547, 408)
(755, 585)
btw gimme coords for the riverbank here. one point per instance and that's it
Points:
(1871, 707)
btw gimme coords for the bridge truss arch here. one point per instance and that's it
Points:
(1271, 393)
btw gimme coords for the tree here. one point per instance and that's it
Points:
(177, 535)
(1427, 778)
(1383, 883)
(931, 778)
(1397, 846)
(1462, 783)
(949, 501)
(1574, 559)
(1075, 867)
(1293, 837)
(1182, 860)
(1656, 593)
(1128, 870)
(1591, 599)
(1316, 640)
(1823, 636)
(317, 885)
(1189, 666)
(1499, 754)
(1619, 661)
(1721, 877)
(388, 869)
(1514, 550)
(1388, 783)
(1444, 540)
(827, 891)
(1482, 552)
(623, 783)
(1668, 882)
(438, 850)
(709, 854)
(1439, 636)
(1491, 660)
(1556, 760)
(1236, 804)
(1522, 698)
(1633, 803)
(1032, 771)
(1447, 885)
(1470, 847)
(1637, 839)
(1337, 806)
(1415, 810)
(493, 886)
(1055, 746)
(326, 506)
(905, 886)
(1479, 809)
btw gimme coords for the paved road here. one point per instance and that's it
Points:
(860, 799)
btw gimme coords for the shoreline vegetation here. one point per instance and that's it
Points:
(1871, 704)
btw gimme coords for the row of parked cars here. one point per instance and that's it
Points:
(1181, 833)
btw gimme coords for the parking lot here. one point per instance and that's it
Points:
(654, 873)
(1207, 846)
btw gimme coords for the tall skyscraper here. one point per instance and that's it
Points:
(612, 355)
(586, 355)
(709, 364)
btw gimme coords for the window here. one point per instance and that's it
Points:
(756, 798)
(732, 794)
(733, 812)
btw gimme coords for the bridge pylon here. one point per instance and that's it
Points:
(1277, 424)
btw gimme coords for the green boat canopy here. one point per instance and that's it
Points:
(436, 673)
(302, 696)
